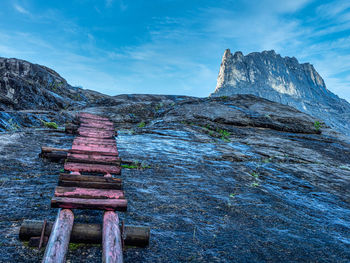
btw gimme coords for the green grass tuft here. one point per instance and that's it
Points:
(51, 125)
(141, 124)
(317, 125)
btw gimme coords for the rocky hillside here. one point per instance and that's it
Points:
(24, 86)
(220, 179)
(283, 80)
(30, 92)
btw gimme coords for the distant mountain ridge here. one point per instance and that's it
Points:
(283, 80)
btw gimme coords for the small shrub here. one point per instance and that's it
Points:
(255, 175)
(51, 125)
(141, 124)
(317, 125)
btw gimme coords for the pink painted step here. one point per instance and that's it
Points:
(90, 121)
(78, 192)
(97, 127)
(109, 149)
(85, 167)
(81, 203)
(97, 134)
(78, 151)
(95, 140)
(91, 116)
(86, 158)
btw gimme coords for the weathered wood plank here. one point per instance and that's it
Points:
(80, 203)
(103, 130)
(46, 149)
(86, 233)
(112, 251)
(89, 184)
(57, 245)
(98, 126)
(93, 193)
(93, 152)
(89, 178)
(94, 168)
(109, 149)
(94, 159)
(96, 134)
(94, 146)
(83, 115)
(90, 121)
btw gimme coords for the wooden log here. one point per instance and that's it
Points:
(86, 233)
(57, 245)
(45, 149)
(54, 156)
(97, 168)
(112, 251)
(89, 181)
(78, 192)
(80, 203)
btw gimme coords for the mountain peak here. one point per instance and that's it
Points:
(282, 79)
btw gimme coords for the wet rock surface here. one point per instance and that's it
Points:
(237, 179)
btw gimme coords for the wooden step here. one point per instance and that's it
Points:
(93, 158)
(88, 193)
(96, 134)
(108, 149)
(95, 140)
(99, 125)
(89, 181)
(91, 121)
(94, 145)
(78, 151)
(91, 116)
(81, 203)
(98, 168)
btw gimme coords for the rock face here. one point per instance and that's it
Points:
(236, 179)
(283, 80)
(221, 179)
(24, 85)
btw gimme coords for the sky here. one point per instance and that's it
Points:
(173, 46)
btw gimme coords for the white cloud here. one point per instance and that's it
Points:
(21, 9)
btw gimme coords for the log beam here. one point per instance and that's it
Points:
(112, 251)
(57, 245)
(80, 203)
(85, 233)
(92, 193)
(89, 181)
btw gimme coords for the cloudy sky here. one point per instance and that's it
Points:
(173, 46)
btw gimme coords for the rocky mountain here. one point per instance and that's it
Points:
(220, 179)
(283, 80)
(24, 86)
(30, 93)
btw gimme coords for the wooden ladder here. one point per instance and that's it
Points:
(93, 163)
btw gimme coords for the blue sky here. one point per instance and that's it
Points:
(173, 46)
